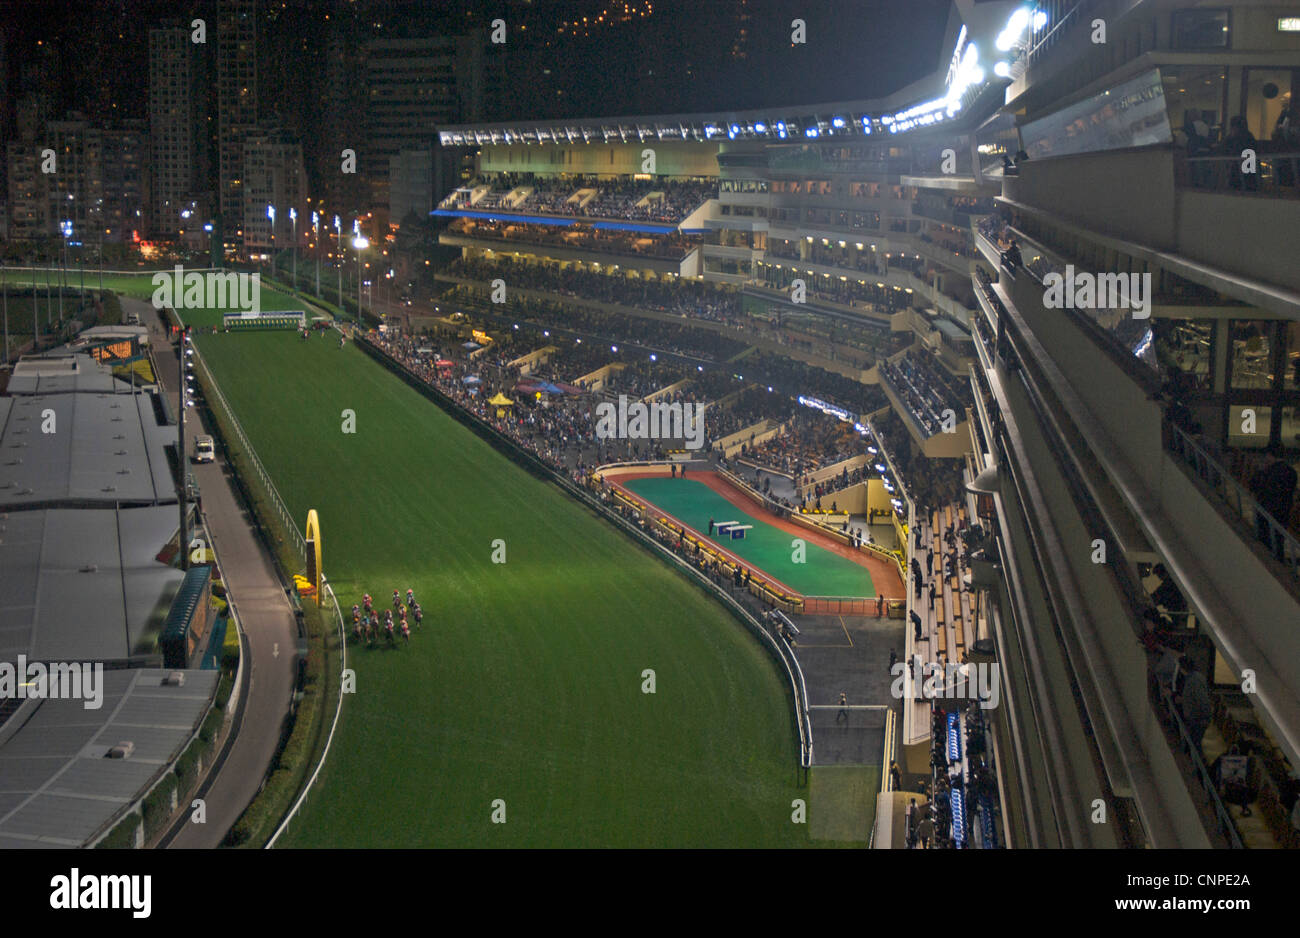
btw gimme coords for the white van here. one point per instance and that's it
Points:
(204, 451)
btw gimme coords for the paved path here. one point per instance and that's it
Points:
(263, 610)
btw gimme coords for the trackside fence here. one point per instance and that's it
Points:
(331, 605)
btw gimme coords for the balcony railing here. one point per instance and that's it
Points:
(1278, 175)
(1254, 521)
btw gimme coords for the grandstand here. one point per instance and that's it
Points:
(861, 273)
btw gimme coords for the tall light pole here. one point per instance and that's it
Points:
(293, 221)
(66, 227)
(315, 224)
(339, 264)
(101, 249)
(360, 243)
(187, 364)
(4, 286)
(270, 213)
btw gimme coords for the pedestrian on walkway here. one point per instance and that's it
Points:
(844, 713)
(893, 660)
(895, 777)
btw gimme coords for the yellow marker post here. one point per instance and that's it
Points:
(313, 538)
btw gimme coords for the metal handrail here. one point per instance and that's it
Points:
(338, 710)
(1282, 542)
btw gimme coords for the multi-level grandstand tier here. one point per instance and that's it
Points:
(1045, 278)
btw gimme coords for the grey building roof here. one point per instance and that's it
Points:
(83, 585)
(57, 789)
(104, 449)
(62, 372)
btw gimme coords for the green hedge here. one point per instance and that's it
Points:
(187, 766)
(224, 688)
(230, 647)
(122, 837)
(157, 805)
(211, 727)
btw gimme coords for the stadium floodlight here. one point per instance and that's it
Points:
(361, 242)
(837, 122)
(270, 213)
(760, 127)
(1014, 29)
(1040, 20)
(1002, 70)
(654, 357)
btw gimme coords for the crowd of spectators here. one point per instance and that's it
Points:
(642, 378)
(926, 388)
(752, 406)
(666, 201)
(810, 441)
(931, 482)
(680, 297)
(651, 334)
(671, 246)
(799, 378)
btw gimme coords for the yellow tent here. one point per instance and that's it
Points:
(500, 402)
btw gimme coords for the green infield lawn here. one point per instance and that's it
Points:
(525, 682)
(820, 573)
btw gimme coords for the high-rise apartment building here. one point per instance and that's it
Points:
(172, 128)
(236, 103)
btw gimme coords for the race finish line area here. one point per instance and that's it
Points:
(754, 537)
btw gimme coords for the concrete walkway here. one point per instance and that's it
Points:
(264, 613)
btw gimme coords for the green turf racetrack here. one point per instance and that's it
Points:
(142, 286)
(822, 573)
(525, 682)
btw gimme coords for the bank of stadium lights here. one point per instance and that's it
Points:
(1023, 18)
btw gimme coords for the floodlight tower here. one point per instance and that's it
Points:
(360, 243)
(186, 401)
(315, 225)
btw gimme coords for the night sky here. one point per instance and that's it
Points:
(684, 55)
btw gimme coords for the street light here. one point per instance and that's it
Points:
(270, 213)
(315, 224)
(360, 243)
(293, 220)
(4, 286)
(339, 231)
(65, 226)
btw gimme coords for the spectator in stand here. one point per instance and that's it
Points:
(1274, 489)
(1235, 142)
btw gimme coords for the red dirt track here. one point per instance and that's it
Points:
(883, 573)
